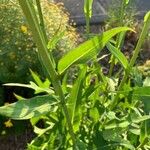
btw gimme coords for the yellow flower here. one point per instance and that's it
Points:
(24, 29)
(8, 124)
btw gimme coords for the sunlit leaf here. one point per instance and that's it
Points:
(146, 82)
(124, 124)
(127, 2)
(147, 16)
(29, 108)
(118, 54)
(88, 49)
(33, 86)
(115, 136)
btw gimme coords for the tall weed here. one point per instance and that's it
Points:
(96, 111)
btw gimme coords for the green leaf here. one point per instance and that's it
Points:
(142, 91)
(36, 78)
(81, 145)
(141, 119)
(74, 100)
(146, 82)
(118, 54)
(147, 16)
(55, 39)
(143, 134)
(29, 108)
(88, 8)
(115, 136)
(127, 2)
(111, 115)
(89, 91)
(94, 114)
(143, 94)
(42, 84)
(40, 131)
(33, 86)
(126, 123)
(34, 120)
(88, 49)
(18, 97)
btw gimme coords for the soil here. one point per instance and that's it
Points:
(17, 142)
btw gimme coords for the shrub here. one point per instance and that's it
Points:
(17, 49)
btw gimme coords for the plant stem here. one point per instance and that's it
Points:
(140, 42)
(88, 13)
(42, 25)
(32, 19)
(87, 26)
(134, 57)
(41, 19)
(87, 16)
(120, 37)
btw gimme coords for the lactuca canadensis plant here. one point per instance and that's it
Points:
(97, 111)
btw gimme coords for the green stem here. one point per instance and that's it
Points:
(134, 57)
(140, 42)
(30, 14)
(120, 37)
(87, 12)
(42, 25)
(41, 19)
(111, 66)
(87, 19)
(87, 26)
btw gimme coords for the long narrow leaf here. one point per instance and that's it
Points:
(88, 49)
(76, 93)
(118, 54)
(33, 86)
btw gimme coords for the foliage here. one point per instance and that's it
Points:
(144, 69)
(66, 34)
(88, 13)
(119, 9)
(18, 51)
(97, 111)
(17, 48)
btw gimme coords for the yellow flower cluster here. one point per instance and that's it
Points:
(57, 20)
(17, 45)
(24, 29)
(8, 123)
